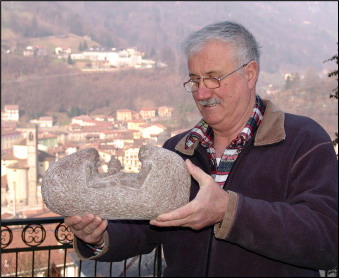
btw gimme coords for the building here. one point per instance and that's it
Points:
(124, 115)
(83, 120)
(136, 125)
(148, 113)
(4, 190)
(129, 57)
(36, 50)
(62, 52)
(153, 131)
(11, 113)
(17, 180)
(103, 118)
(24, 168)
(131, 163)
(87, 133)
(8, 139)
(46, 141)
(5, 125)
(46, 121)
(165, 111)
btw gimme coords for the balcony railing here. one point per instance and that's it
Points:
(44, 247)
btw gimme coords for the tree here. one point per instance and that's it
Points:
(85, 46)
(334, 73)
(81, 48)
(74, 111)
(288, 83)
(335, 90)
(69, 60)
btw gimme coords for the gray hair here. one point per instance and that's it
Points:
(241, 40)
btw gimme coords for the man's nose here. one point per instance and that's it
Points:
(203, 92)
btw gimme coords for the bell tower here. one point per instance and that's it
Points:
(32, 162)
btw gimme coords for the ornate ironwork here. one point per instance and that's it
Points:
(6, 236)
(63, 234)
(33, 234)
(28, 236)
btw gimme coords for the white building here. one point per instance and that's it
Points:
(11, 113)
(43, 121)
(152, 132)
(129, 57)
(83, 120)
(131, 161)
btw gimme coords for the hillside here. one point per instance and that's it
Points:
(55, 87)
(293, 35)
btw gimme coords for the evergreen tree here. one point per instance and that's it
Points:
(69, 60)
(85, 46)
(81, 47)
(74, 111)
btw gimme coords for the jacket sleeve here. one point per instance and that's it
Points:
(303, 229)
(123, 240)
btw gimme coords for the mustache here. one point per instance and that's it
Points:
(209, 101)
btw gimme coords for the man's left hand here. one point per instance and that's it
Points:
(207, 208)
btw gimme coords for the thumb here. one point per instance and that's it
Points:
(199, 175)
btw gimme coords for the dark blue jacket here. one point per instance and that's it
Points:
(281, 218)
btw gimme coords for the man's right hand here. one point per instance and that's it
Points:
(89, 228)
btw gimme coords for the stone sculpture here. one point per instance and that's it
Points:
(74, 186)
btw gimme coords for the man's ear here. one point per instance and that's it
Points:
(252, 71)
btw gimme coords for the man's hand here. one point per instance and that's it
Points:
(207, 208)
(88, 228)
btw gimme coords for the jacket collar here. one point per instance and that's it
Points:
(270, 131)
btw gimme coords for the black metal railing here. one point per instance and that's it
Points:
(44, 247)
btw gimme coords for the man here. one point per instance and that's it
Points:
(264, 186)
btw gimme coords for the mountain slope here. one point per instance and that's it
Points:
(293, 34)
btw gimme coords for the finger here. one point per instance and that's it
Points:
(93, 225)
(180, 222)
(179, 213)
(85, 220)
(97, 233)
(72, 220)
(199, 175)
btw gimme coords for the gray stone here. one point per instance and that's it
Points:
(74, 186)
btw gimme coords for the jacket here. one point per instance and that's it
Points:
(281, 218)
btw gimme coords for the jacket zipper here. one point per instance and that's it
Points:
(210, 244)
(200, 158)
(209, 251)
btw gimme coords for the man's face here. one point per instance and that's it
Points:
(235, 94)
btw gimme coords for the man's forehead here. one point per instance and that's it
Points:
(209, 65)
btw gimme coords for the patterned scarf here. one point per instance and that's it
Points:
(204, 134)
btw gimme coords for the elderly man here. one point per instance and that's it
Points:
(264, 186)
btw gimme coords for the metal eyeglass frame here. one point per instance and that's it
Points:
(216, 78)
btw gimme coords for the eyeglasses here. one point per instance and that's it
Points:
(192, 86)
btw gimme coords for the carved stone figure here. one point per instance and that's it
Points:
(74, 186)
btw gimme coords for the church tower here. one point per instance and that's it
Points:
(32, 163)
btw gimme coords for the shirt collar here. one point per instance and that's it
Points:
(202, 133)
